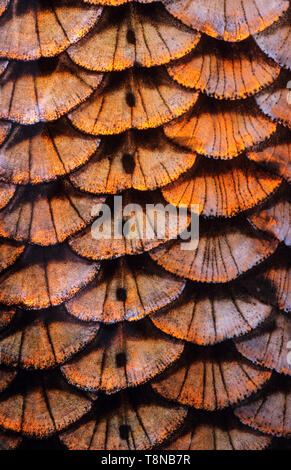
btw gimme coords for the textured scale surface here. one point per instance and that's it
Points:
(123, 356)
(229, 435)
(232, 20)
(21, 156)
(220, 256)
(123, 292)
(43, 29)
(206, 381)
(142, 161)
(133, 35)
(268, 348)
(271, 413)
(136, 421)
(44, 340)
(231, 72)
(129, 100)
(42, 405)
(213, 315)
(222, 189)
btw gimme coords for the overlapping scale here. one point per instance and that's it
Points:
(7, 192)
(134, 421)
(279, 275)
(47, 215)
(223, 253)
(269, 413)
(123, 355)
(231, 20)
(213, 314)
(9, 253)
(130, 228)
(269, 347)
(209, 380)
(275, 219)
(275, 41)
(220, 129)
(40, 405)
(133, 35)
(44, 339)
(221, 434)
(276, 157)
(44, 90)
(45, 277)
(132, 99)
(234, 71)
(43, 152)
(5, 128)
(222, 189)
(275, 104)
(33, 29)
(125, 290)
(138, 160)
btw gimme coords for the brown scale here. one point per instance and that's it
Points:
(52, 88)
(5, 128)
(130, 421)
(271, 412)
(220, 129)
(223, 433)
(7, 192)
(9, 441)
(275, 41)
(225, 71)
(45, 277)
(211, 379)
(279, 275)
(123, 355)
(275, 218)
(44, 339)
(39, 405)
(48, 214)
(125, 290)
(130, 233)
(272, 280)
(10, 251)
(210, 315)
(225, 251)
(6, 377)
(43, 152)
(140, 160)
(222, 188)
(133, 35)
(269, 347)
(231, 20)
(276, 156)
(6, 316)
(274, 101)
(33, 29)
(140, 99)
